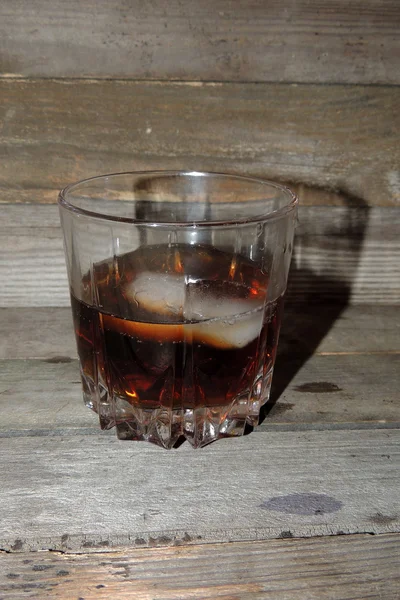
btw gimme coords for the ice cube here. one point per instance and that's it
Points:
(160, 293)
(217, 320)
(226, 333)
(229, 332)
(201, 305)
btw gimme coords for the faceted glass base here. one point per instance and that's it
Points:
(167, 427)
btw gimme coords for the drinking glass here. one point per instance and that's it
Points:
(177, 281)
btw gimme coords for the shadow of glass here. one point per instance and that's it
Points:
(328, 246)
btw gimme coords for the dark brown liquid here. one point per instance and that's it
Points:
(156, 339)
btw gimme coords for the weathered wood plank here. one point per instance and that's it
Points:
(324, 41)
(47, 333)
(40, 397)
(80, 493)
(336, 137)
(342, 254)
(339, 330)
(346, 567)
(36, 333)
(43, 395)
(336, 389)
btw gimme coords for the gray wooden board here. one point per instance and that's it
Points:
(326, 41)
(38, 397)
(358, 567)
(80, 493)
(46, 332)
(36, 333)
(345, 254)
(338, 137)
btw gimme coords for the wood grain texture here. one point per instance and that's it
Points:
(81, 493)
(322, 40)
(329, 568)
(342, 254)
(40, 397)
(45, 333)
(342, 138)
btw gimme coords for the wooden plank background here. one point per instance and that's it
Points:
(345, 567)
(324, 41)
(338, 138)
(337, 145)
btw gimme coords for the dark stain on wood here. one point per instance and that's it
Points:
(160, 541)
(91, 544)
(318, 387)
(281, 407)
(32, 586)
(18, 545)
(58, 359)
(118, 565)
(381, 519)
(286, 534)
(62, 573)
(140, 541)
(41, 567)
(303, 504)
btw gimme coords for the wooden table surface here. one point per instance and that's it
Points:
(306, 506)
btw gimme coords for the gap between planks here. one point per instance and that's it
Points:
(359, 353)
(69, 80)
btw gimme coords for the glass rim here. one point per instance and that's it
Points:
(268, 216)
